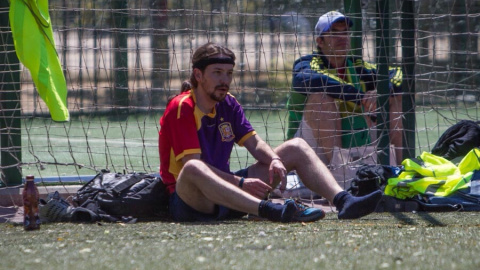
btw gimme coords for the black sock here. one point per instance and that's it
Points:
(350, 207)
(276, 212)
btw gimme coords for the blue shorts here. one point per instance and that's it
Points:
(182, 212)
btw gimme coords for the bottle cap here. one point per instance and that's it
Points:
(30, 177)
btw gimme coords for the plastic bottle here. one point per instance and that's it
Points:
(31, 220)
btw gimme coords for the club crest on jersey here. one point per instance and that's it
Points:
(226, 132)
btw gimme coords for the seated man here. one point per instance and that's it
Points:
(198, 130)
(333, 102)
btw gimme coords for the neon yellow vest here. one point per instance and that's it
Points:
(433, 175)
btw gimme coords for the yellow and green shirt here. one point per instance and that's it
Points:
(313, 73)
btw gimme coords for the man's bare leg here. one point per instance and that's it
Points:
(396, 126)
(297, 155)
(202, 189)
(321, 114)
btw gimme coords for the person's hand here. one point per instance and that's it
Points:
(277, 169)
(369, 101)
(256, 187)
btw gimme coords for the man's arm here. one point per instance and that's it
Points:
(264, 154)
(396, 79)
(369, 76)
(309, 80)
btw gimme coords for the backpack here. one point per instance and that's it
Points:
(458, 140)
(114, 196)
(370, 178)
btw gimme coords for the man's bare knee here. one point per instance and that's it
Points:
(292, 150)
(293, 145)
(298, 144)
(193, 167)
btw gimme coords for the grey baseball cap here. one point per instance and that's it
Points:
(326, 20)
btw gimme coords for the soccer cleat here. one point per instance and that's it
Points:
(305, 213)
(54, 208)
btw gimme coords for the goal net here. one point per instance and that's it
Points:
(122, 60)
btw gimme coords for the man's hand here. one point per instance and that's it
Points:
(277, 169)
(256, 187)
(369, 101)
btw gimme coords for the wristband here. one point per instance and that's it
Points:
(240, 184)
(277, 158)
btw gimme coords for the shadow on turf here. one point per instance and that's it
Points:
(424, 215)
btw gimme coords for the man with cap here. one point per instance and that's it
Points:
(198, 130)
(333, 102)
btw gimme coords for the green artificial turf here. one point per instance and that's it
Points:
(378, 241)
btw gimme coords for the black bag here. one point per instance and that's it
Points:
(467, 199)
(370, 178)
(136, 195)
(417, 203)
(458, 140)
